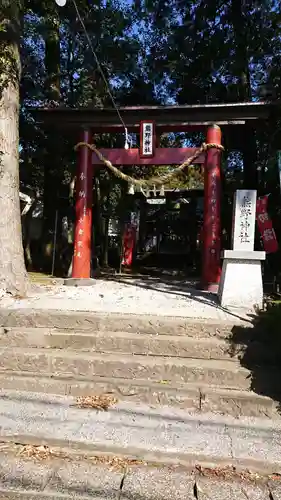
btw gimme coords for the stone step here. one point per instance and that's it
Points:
(122, 342)
(22, 494)
(98, 322)
(163, 435)
(52, 362)
(191, 397)
(133, 343)
(107, 477)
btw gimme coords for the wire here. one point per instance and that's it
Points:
(102, 74)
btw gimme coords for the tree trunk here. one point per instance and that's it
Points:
(51, 167)
(249, 145)
(105, 243)
(13, 276)
(70, 70)
(52, 57)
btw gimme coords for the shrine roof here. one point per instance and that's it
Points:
(168, 118)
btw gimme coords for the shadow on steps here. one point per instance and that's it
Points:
(261, 352)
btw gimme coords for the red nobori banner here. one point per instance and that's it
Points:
(129, 240)
(265, 226)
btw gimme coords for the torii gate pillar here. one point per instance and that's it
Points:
(211, 269)
(83, 211)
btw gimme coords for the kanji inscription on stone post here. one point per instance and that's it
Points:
(244, 217)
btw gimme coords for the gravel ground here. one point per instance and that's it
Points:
(128, 295)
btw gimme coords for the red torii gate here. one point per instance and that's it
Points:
(240, 117)
(169, 156)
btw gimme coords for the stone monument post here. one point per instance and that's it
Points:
(241, 281)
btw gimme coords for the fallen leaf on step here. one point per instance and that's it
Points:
(98, 402)
(41, 452)
(229, 472)
(116, 462)
(275, 477)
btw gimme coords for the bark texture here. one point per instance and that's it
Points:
(13, 276)
(52, 180)
(249, 145)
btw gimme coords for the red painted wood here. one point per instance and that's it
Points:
(119, 129)
(163, 156)
(164, 128)
(129, 240)
(211, 270)
(83, 211)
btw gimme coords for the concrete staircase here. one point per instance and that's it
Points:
(188, 364)
(185, 403)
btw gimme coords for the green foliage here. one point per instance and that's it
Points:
(152, 52)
